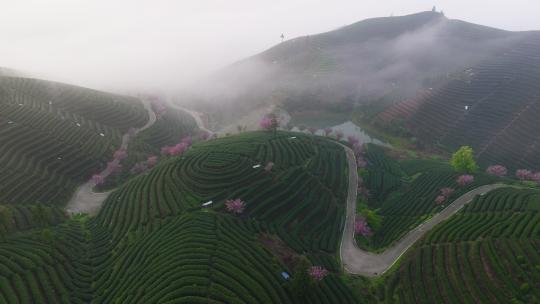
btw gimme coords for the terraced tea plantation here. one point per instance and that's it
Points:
(405, 192)
(488, 253)
(153, 242)
(487, 106)
(54, 136)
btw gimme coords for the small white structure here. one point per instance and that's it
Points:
(101, 134)
(21, 104)
(9, 122)
(207, 203)
(292, 137)
(50, 102)
(78, 124)
(256, 166)
(467, 108)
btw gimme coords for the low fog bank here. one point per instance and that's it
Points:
(379, 58)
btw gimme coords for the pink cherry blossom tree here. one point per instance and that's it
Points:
(158, 107)
(361, 227)
(178, 149)
(352, 140)
(152, 160)
(361, 163)
(165, 150)
(497, 170)
(536, 177)
(269, 166)
(120, 154)
(270, 123)
(187, 140)
(327, 131)
(465, 179)
(317, 273)
(236, 206)
(447, 191)
(139, 168)
(265, 123)
(98, 179)
(523, 174)
(358, 149)
(440, 199)
(204, 135)
(114, 167)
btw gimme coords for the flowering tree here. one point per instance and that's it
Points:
(187, 140)
(327, 131)
(312, 130)
(270, 123)
(265, 123)
(204, 135)
(158, 107)
(447, 191)
(178, 149)
(235, 206)
(360, 163)
(114, 167)
(352, 140)
(358, 149)
(361, 227)
(339, 135)
(98, 179)
(317, 273)
(152, 160)
(165, 150)
(175, 150)
(465, 179)
(536, 177)
(440, 199)
(269, 166)
(497, 170)
(120, 154)
(523, 174)
(139, 168)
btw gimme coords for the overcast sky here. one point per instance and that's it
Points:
(118, 44)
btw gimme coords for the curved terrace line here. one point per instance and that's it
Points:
(358, 261)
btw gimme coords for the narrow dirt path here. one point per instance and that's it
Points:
(85, 200)
(358, 261)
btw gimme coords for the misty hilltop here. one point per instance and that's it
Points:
(391, 56)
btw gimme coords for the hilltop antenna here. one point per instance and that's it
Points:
(282, 37)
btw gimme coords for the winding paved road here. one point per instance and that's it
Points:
(196, 115)
(358, 261)
(85, 199)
